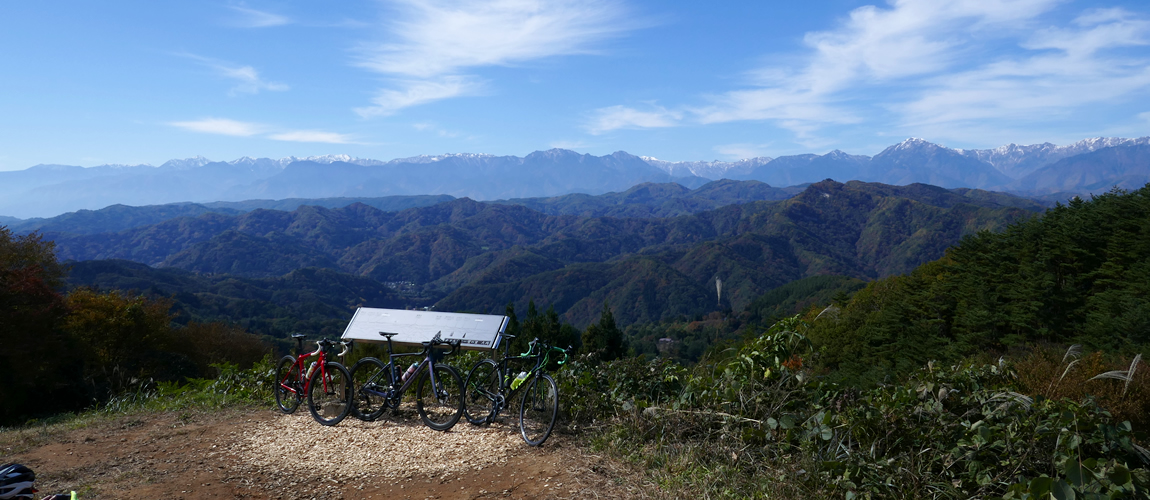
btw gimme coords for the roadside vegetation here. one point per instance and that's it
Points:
(80, 350)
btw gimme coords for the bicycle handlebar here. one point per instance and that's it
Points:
(534, 342)
(438, 340)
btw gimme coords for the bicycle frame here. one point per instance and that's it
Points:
(431, 354)
(541, 360)
(303, 383)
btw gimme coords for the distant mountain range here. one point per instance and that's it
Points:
(1042, 170)
(463, 255)
(643, 200)
(48, 190)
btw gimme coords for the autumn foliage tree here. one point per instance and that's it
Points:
(67, 352)
(37, 360)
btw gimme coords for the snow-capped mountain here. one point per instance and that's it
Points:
(1018, 161)
(917, 160)
(708, 169)
(186, 163)
(435, 158)
(1091, 165)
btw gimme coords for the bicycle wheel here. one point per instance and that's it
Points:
(370, 379)
(482, 392)
(329, 394)
(539, 409)
(287, 388)
(441, 407)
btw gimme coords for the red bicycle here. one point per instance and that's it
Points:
(327, 384)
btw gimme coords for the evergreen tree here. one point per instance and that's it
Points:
(546, 327)
(604, 339)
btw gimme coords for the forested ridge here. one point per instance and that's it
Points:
(469, 256)
(1077, 275)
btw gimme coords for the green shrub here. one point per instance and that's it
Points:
(755, 422)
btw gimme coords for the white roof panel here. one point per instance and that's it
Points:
(475, 331)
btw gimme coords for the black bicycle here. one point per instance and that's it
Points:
(490, 387)
(438, 392)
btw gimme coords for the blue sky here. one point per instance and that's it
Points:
(89, 83)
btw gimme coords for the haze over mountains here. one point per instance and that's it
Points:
(1091, 165)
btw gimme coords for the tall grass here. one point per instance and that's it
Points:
(753, 422)
(1114, 382)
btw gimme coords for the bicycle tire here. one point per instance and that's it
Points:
(440, 409)
(539, 409)
(329, 394)
(375, 376)
(287, 374)
(482, 392)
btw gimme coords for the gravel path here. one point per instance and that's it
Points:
(261, 454)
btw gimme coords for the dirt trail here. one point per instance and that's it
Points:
(261, 454)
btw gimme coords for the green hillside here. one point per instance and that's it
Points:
(1079, 275)
(797, 296)
(480, 256)
(658, 200)
(860, 230)
(312, 301)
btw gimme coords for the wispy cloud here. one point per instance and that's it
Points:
(249, 80)
(433, 43)
(1063, 69)
(942, 65)
(445, 36)
(435, 129)
(312, 136)
(221, 126)
(252, 18)
(620, 117)
(225, 126)
(873, 46)
(416, 92)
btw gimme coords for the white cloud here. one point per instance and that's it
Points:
(249, 79)
(436, 129)
(252, 18)
(873, 46)
(222, 126)
(619, 117)
(1064, 69)
(416, 92)
(436, 41)
(312, 136)
(1144, 116)
(445, 36)
(940, 65)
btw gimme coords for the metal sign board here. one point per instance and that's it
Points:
(474, 331)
